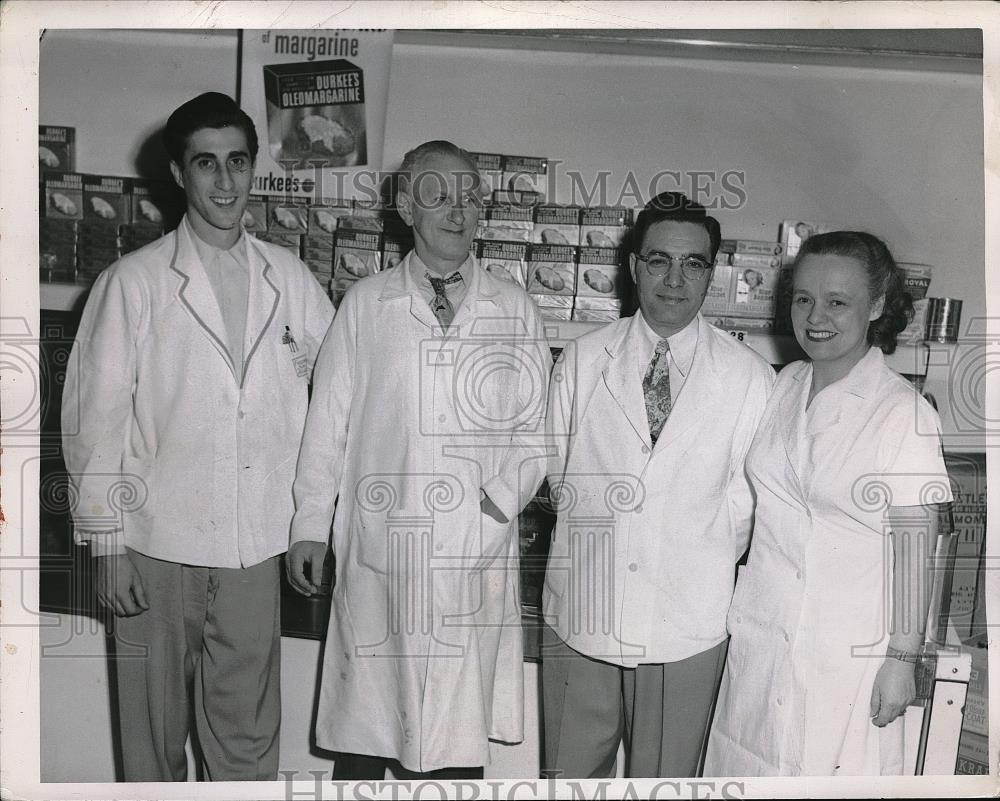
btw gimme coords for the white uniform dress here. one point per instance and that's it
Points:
(809, 618)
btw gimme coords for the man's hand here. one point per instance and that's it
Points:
(304, 564)
(119, 586)
(894, 688)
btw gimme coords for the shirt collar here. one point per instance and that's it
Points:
(682, 344)
(419, 270)
(209, 253)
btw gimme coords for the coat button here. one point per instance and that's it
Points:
(786, 637)
(441, 418)
(242, 414)
(645, 449)
(739, 619)
(798, 575)
(633, 567)
(779, 702)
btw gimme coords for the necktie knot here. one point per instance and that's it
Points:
(440, 304)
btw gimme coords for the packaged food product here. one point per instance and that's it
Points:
(507, 222)
(556, 225)
(552, 269)
(596, 315)
(255, 217)
(290, 242)
(604, 226)
(154, 203)
(324, 218)
(754, 291)
(917, 281)
(63, 195)
(599, 273)
(755, 260)
(357, 254)
(56, 148)
(505, 260)
(284, 217)
(760, 247)
(490, 166)
(525, 180)
(107, 197)
(56, 250)
(718, 297)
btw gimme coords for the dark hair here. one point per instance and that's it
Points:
(209, 110)
(884, 279)
(675, 207)
(436, 147)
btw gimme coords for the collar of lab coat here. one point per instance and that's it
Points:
(701, 385)
(841, 397)
(196, 295)
(400, 284)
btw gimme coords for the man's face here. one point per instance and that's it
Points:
(216, 176)
(441, 202)
(670, 301)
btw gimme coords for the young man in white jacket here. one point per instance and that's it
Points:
(182, 415)
(424, 428)
(653, 416)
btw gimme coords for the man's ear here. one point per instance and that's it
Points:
(177, 173)
(404, 206)
(631, 268)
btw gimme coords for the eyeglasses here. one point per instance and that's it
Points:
(657, 264)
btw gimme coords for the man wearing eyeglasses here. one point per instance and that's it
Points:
(183, 410)
(653, 415)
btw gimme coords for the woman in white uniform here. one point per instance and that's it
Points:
(827, 620)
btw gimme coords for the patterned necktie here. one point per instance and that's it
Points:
(440, 304)
(656, 389)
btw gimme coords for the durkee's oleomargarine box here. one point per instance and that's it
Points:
(316, 113)
(525, 180)
(324, 218)
(287, 218)
(255, 215)
(505, 260)
(107, 197)
(153, 203)
(554, 307)
(557, 225)
(392, 254)
(490, 166)
(357, 254)
(598, 273)
(62, 195)
(596, 310)
(508, 222)
(604, 226)
(56, 148)
(552, 270)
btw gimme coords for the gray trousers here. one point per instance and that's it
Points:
(208, 644)
(662, 711)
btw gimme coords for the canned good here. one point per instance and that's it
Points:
(943, 318)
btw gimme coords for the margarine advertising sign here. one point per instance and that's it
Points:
(318, 99)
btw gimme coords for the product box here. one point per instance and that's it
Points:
(755, 260)
(759, 247)
(525, 180)
(392, 254)
(756, 325)
(56, 148)
(973, 755)
(324, 218)
(507, 222)
(552, 270)
(557, 225)
(976, 715)
(255, 216)
(154, 203)
(107, 197)
(366, 215)
(56, 250)
(597, 304)
(505, 260)
(595, 315)
(290, 242)
(357, 254)
(490, 166)
(718, 297)
(321, 255)
(287, 218)
(62, 195)
(604, 226)
(917, 281)
(753, 292)
(968, 516)
(794, 232)
(598, 273)
(316, 113)
(554, 307)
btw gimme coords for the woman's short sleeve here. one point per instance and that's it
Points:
(910, 456)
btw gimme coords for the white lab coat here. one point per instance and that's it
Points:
(643, 556)
(810, 611)
(423, 659)
(160, 436)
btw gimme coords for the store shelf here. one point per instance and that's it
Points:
(909, 359)
(61, 296)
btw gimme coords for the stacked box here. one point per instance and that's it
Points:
(753, 292)
(718, 297)
(507, 222)
(794, 232)
(290, 242)
(132, 236)
(556, 225)
(56, 250)
(490, 166)
(755, 247)
(325, 217)
(599, 273)
(765, 261)
(357, 254)
(917, 281)
(56, 148)
(107, 197)
(255, 215)
(97, 247)
(976, 717)
(397, 241)
(596, 310)
(604, 226)
(755, 325)
(392, 254)
(968, 517)
(62, 195)
(525, 180)
(552, 278)
(152, 203)
(285, 217)
(505, 260)
(366, 215)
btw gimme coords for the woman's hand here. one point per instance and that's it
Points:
(894, 689)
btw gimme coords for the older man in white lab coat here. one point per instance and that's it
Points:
(183, 411)
(424, 427)
(654, 415)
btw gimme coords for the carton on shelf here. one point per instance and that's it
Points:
(284, 217)
(107, 197)
(506, 222)
(753, 292)
(719, 295)
(917, 281)
(525, 180)
(556, 225)
(760, 247)
(62, 194)
(490, 166)
(504, 260)
(324, 218)
(357, 254)
(599, 273)
(155, 203)
(255, 215)
(604, 226)
(56, 147)
(552, 270)
(290, 242)
(794, 232)
(754, 260)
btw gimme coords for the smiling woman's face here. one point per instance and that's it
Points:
(831, 310)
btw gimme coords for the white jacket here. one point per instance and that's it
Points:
(642, 561)
(161, 439)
